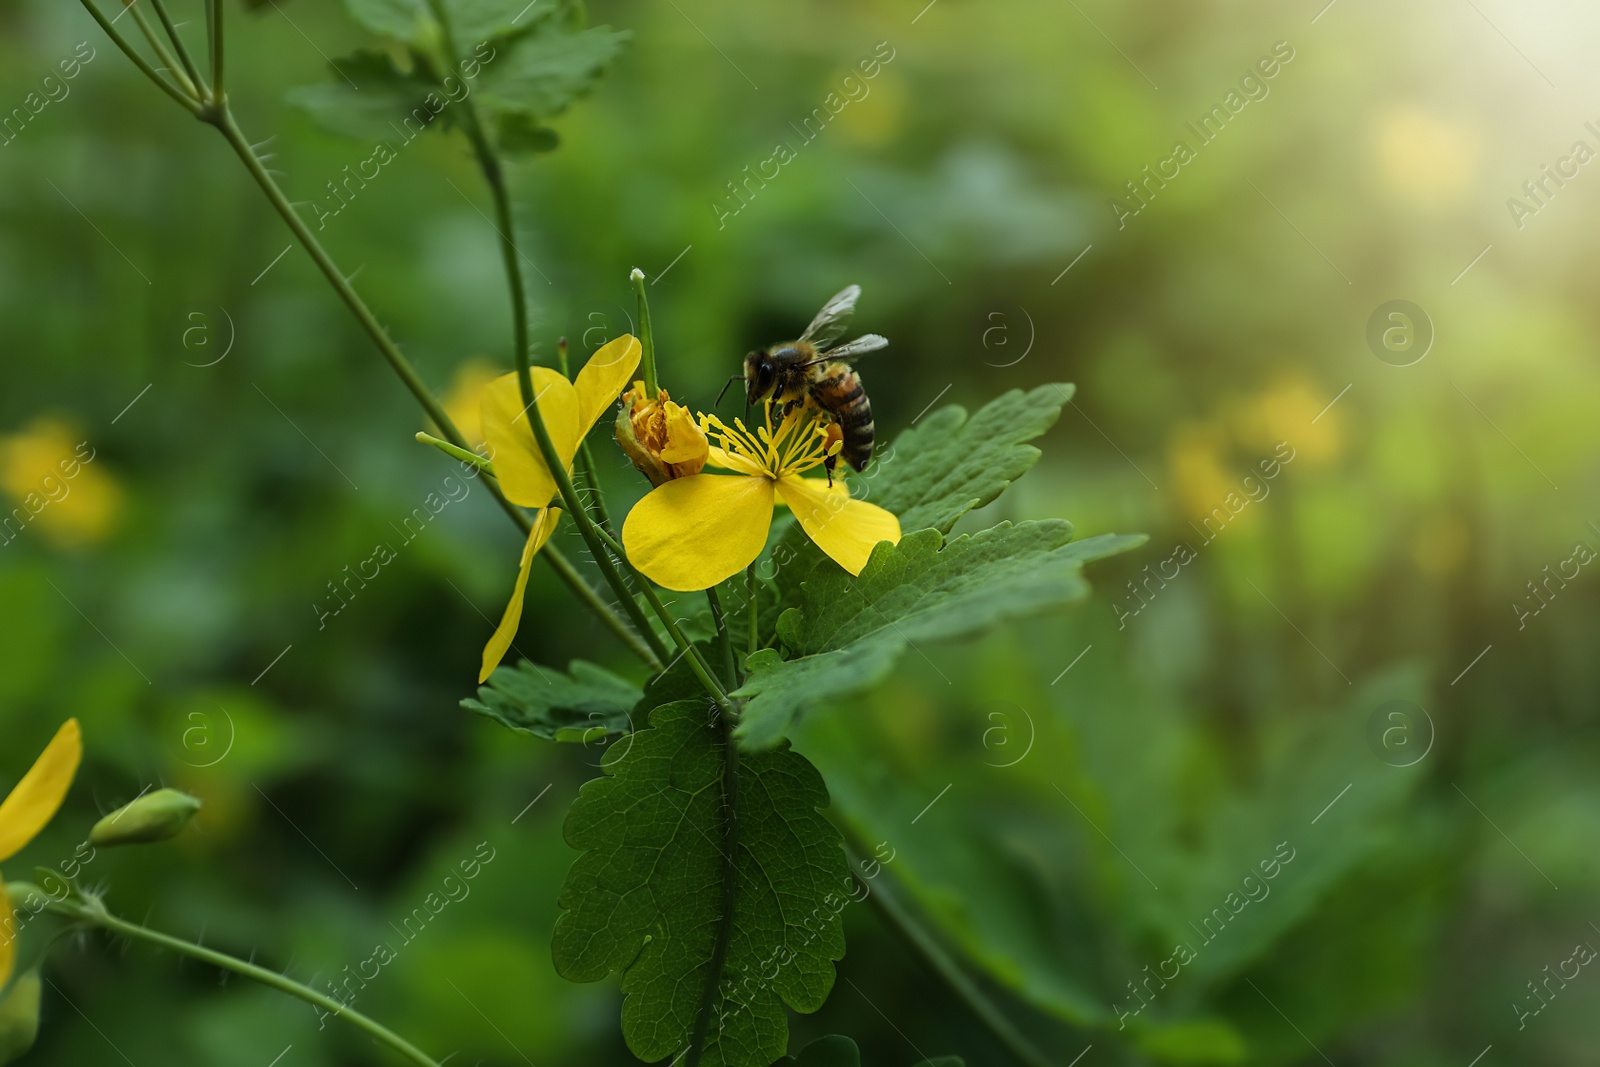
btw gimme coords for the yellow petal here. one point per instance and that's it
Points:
(495, 650)
(8, 937)
(34, 801)
(843, 528)
(691, 533)
(686, 441)
(517, 462)
(732, 461)
(604, 378)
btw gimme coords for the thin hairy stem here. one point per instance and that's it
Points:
(95, 914)
(183, 53)
(647, 335)
(586, 468)
(719, 617)
(214, 8)
(176, 92)
(697, 662)
(224, 121)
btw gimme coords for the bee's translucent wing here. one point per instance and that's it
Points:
(867, 342)
(834, 318)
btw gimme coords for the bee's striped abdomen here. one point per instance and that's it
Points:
(839, 391)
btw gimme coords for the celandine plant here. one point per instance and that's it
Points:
(709, 878)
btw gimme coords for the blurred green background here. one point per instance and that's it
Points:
(1112, 777)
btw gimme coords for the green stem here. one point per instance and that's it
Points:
(697, 662)
(457, 453)
(494, 177)
(95, 914)
(138, 60)
(586, 468)
(222, 118)
(183, 53)
(647, 335)
(184, 83)
(215, 8)
(902, 921)
(730, 888)
(723, 639)
(750, 579)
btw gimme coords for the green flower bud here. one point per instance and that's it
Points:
(25, 896)
(19, 1017)
(153, 817)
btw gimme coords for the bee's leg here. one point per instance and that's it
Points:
(828, 465)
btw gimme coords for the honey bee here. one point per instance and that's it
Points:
(806, 371)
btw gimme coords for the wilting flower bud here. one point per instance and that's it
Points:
(19, 1017)
(153, 817)
(660, 437)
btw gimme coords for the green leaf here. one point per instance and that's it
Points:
(584, 704)
(541, 74)
(1197, 1042)
(521, 135)
(403, 20)
(374, 111)
(836, 1050)
(647, 898)
(473, 22)
(950, 464)
(849, 633)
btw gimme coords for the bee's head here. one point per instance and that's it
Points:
(760, 375)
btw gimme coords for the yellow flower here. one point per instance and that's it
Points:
(461, 401)
(31, 805)
(570, 410)
(691, 533)
(51, 473)
(660, 437)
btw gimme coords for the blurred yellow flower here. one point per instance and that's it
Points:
(1196, 456)
(691, 533)
(29, 808)
(46, 470)
(1425, 158)
(1284, 412)
(569, 410)
(462, 400)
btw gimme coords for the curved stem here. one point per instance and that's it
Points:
(223, 119)
(697, 662)
(945, 965)
(95, 914)
(139, 61)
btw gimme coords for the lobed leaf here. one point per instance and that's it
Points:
(647, 898)
(950, 464)
(583, 704)
(542, 74)
(372, 112)
(848, 633)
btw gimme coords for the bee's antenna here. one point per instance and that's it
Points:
(730, 381)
